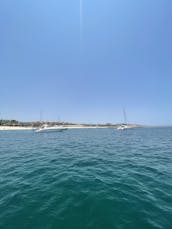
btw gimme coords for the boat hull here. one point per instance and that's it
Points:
(48, 130)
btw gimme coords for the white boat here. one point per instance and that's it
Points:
(46, 128)
(124, 126)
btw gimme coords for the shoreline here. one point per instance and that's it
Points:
(77, 126)
(33, 128)
(15, 128)
(67, 126)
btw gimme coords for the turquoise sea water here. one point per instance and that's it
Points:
(86, 179)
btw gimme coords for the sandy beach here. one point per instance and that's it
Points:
(77, 126)
(67, 126)
(15, 128)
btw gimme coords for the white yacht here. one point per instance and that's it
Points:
(46, 128)
(123, 126)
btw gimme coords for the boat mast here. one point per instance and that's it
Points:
(40, 116)
(125, 116)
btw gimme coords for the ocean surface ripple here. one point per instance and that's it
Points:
(86, 179)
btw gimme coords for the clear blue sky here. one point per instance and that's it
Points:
(123, 58)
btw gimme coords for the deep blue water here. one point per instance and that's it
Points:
(86, 179)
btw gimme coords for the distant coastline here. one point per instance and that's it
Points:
(17, 125)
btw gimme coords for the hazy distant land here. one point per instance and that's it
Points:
(18, 125)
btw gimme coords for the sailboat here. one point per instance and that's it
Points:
(46, 128)
(123, 126)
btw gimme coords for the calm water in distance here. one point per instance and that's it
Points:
(86, 179)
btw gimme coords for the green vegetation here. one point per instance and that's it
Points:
(38, 123)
